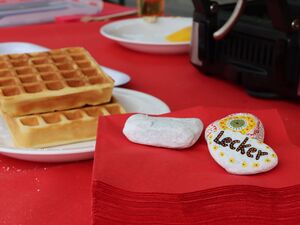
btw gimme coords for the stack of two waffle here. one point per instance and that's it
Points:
(53, 98)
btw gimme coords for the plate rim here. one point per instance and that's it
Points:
(166, 107)
(59, 149)
(128, 41)
(126, 77)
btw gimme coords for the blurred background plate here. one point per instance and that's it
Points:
(140, 35)
(20, 47)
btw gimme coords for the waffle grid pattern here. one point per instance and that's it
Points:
(48, 71)
(55, 97)
(67, 116)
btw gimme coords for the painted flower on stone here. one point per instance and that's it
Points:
(241, 123)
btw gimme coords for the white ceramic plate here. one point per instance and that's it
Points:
(20, 47)
(120, 78)
(24, 47)
(139, 35)
(133, 101)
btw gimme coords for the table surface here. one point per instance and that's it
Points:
(60, 194)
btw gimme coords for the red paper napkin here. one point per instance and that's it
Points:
(234, 205)
(140, 168)
(137, 184)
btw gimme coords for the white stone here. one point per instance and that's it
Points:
(244, 123)
(241, 154)
(163, 131)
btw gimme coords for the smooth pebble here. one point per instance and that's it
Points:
(165, 132)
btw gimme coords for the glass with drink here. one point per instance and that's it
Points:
(151, 9)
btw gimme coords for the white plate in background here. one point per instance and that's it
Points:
(133, 101)
(20, 47)
(142, 36)
(25, 47)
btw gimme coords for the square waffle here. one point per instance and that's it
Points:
(57, 128)
(49, 81)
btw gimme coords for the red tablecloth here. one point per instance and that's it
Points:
(60, 194)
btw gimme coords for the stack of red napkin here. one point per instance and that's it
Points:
(141, 185)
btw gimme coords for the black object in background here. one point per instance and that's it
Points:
(262, 51)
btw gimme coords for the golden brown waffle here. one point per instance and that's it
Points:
(57, 128)
(48, 81)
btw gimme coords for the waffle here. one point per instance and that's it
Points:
(57, 128)
(48, 81)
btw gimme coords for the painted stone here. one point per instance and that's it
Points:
(244, 123)
(240, 154)
(163, 131)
